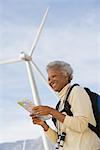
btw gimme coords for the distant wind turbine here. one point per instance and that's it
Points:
(24, 144)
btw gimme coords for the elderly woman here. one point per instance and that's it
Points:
(73, 132)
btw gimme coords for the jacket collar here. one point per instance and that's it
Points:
(64, 91)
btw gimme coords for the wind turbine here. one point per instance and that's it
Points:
(27, 58)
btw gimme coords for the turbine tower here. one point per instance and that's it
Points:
(27, 58)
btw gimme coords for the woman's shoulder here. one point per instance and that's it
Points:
(77, 89)
(78, 92)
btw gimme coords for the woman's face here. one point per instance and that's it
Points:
(57, 80)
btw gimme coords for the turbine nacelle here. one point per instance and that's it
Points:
(24, 56)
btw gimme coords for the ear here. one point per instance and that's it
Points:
(68, 79)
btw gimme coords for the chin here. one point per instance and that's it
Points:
(55, 89)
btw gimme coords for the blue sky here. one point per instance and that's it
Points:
(71, 34)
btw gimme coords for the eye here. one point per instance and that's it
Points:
(48, 79)
(53, 76)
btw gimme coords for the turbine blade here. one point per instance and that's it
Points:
(43, 78)
(2, 62)
(39, 32)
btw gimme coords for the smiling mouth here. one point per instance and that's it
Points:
(53, 85)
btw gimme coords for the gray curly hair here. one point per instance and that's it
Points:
(64, 67)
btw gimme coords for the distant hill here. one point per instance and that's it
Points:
(35, 144)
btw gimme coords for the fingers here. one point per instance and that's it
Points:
(36, 107)
(37, 110)
(41, 110)
(36, 120)
(33, 116)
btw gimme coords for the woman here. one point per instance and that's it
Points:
(73, 132)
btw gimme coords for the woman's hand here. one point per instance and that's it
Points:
(36, 120)
(46, 110)
(40, 122)
(42, 110)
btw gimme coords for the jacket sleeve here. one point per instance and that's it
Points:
(52, 135)
(82, 111)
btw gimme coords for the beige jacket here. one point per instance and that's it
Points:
(78, 135)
